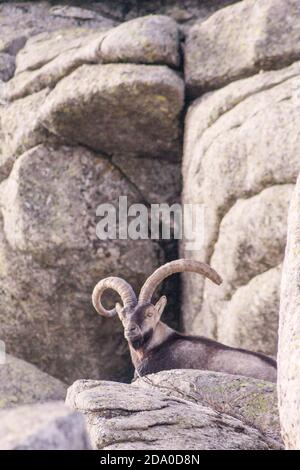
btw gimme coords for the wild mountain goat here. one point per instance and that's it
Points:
(155, 347)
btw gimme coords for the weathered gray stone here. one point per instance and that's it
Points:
(50, 256)
(51, 259)
(22, 383)
(85, 49)
(7, 66)
(37, 17)
(143, 416)
(250, 319)
(251, 400)
(289, 332)
(48, 426)
(119, 106)
(253, 236)
(48, 57)
(157, 180)
(47, 46)
(61, 30)
(262, 36)
(185, 12)
(152, 39)
(21, 129)
(69, 11)
(240, 141)
(41, 16)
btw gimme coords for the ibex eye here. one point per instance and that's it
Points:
(149, 314)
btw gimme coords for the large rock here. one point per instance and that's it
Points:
(289, 332)
(253, 308)
(62, 101)
(44, 69)
(157, 179)
(263, 36)
(21, 129)
(48, 426)
(51, 259)
(185, 12)
(135, 109)
(22, 383)
(43, 48)
(38, 17)
(241, 162)
(48, 57)
(253, 235)
(152, 39)
(179, 410)
(251, 400)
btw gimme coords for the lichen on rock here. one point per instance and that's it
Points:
(171, 410)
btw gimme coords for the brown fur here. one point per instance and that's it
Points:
(155, 347)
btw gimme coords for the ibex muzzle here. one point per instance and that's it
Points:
(154, 346)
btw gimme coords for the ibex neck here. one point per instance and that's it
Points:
(160, 334)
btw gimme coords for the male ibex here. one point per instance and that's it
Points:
(155, 347)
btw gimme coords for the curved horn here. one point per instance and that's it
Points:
(119, 285)
(177, 266)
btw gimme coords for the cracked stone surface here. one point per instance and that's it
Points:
(289, 332)
(22, 383)
(54, 172)
(250, 321)
(134, 107)
(263, 36)
(159, 179)
(92, 109)
(41, 63)
(46, 70)
(47, 426)
(152, 39)
(43, 48)
(37, 17)
(40, 17)
(62, 20)
(170, 410)
(51, 259)
(21, 129)
(253, 236)
(251, 400)
(185, 12)
(241, 161)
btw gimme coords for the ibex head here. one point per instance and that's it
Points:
(140, 317)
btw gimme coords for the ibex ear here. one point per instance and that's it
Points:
(119, 309)
(160, 305)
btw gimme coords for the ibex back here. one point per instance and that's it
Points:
(155, 347)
